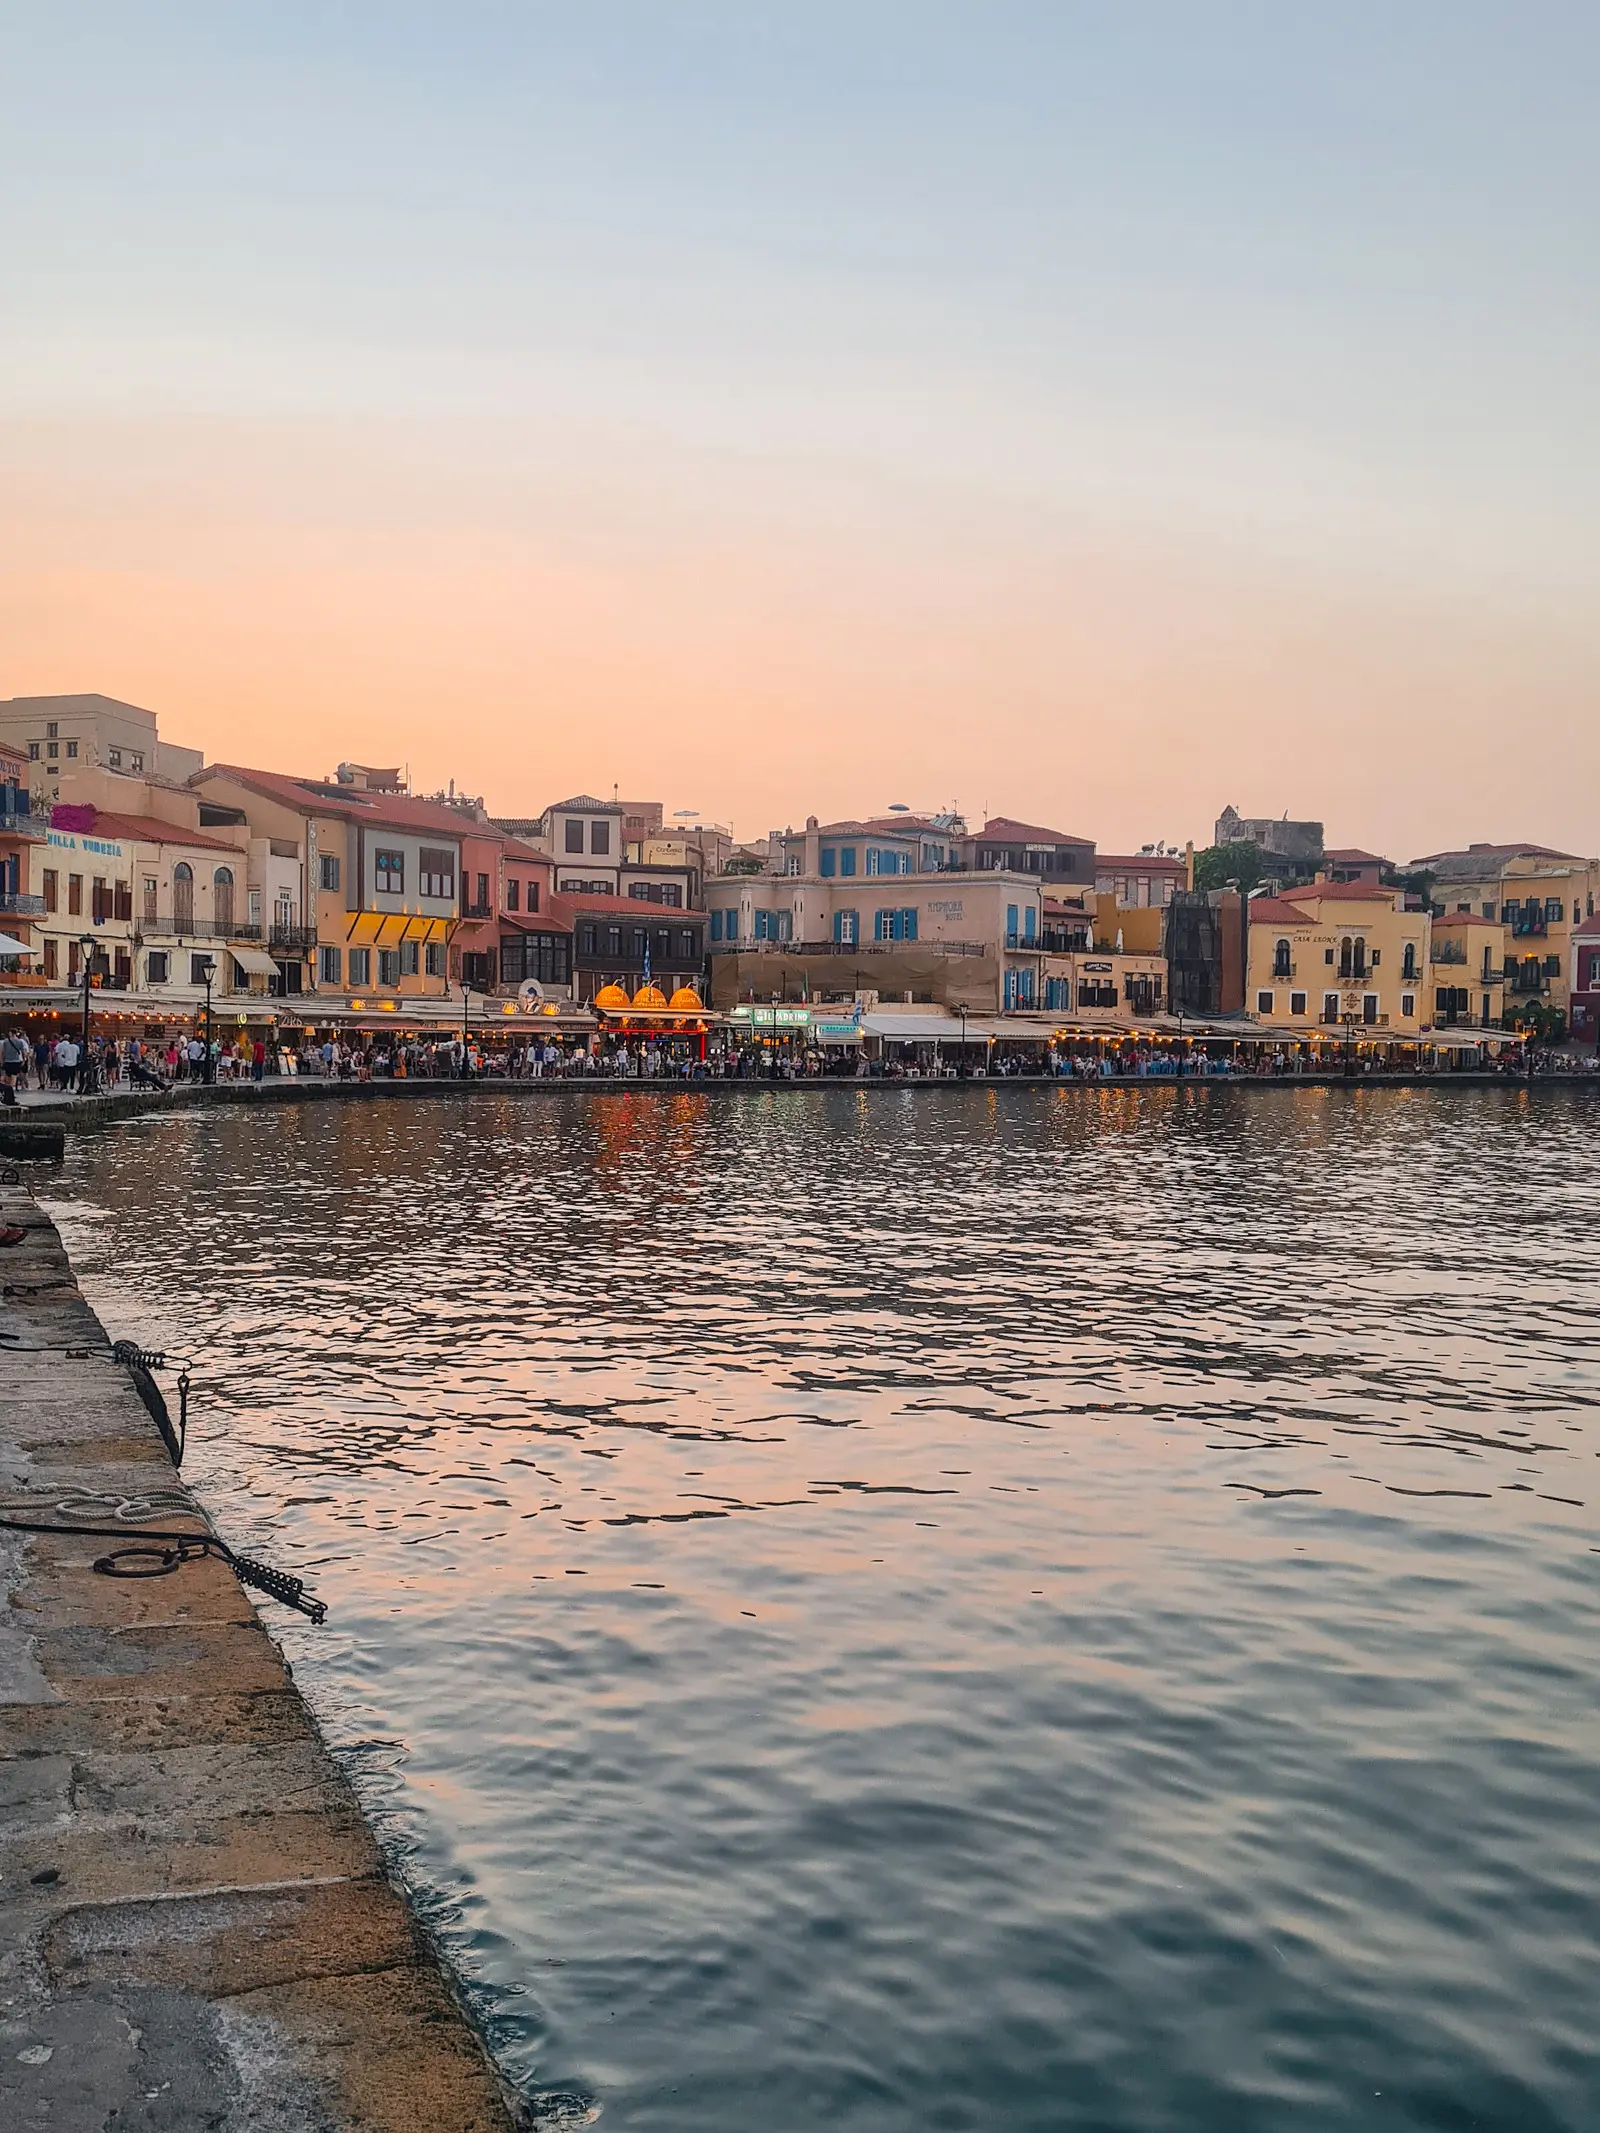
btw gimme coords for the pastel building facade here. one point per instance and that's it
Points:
(1328, 954)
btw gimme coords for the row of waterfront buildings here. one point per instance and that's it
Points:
(133, 869)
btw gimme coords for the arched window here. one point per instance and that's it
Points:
(183, 897)
(1408, 962)
(1344, 957)
(222, 898)
(1360, 957)
(1281, 965)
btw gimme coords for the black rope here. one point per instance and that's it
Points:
(141, 1560)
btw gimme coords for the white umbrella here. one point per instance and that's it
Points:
(10, 947)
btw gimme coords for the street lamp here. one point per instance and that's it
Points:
(1179, 1012)
(208, 973)
(87, 944)
(1349, 1047)
(466, 1007)
(962, 1012)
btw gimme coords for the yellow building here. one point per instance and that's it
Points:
(1329, 955)
(1537, 896)
(1465, 971)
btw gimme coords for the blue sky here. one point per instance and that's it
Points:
(1300, 294)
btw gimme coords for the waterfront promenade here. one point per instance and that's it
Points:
(197, 1928)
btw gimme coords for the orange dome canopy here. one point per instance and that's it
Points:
(611, 997)
(649, 996)
(686, 1000)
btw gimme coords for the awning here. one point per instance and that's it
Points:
(253, 960)
(9, 946)
(917, 1029)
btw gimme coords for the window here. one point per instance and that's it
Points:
(51, 729)
(1489, 911)
(614, 944)
(1327, 955)
(533, 896)
(1408, 961)
(1552, 966)
(183, 897)
(72, 751)
(410, 955)
(847, 862)
(573, 836)
(1330, 1003)
(52, 966)
(1030, 925)
(774, 925)
(687, 945)
(599, 838)
(328, 870)
(136, 761)
(1297, 1003)
(436, 871)
(391, 873)
(830, 861)
(481, 900)
(1408, 1004)
(222, 898)
(894, 925)
(328, 962)
(847, 927)
(156, 964)
(201, 967)
(1281, 965)
(33, 751)
(433, 959)
(361, 966)
(149, 899)
(1264, 1003)
(1369, 1007)
(513, 895)
(716, 925)
(74, 895)
(52, 748)
(52, 886)
(1011, 925)
(388, 966)
(1554, 910)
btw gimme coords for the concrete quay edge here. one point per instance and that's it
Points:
(196, 1926)
(76, 1114)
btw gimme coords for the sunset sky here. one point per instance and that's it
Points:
(1094, 413)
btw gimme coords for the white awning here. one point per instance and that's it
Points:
(917, 1029)
(8, 946)
(252, 959)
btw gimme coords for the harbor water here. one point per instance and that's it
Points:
(962, 1607)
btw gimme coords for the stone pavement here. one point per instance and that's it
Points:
(196, 1930)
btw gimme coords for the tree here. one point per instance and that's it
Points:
(1220, 864)
(1542, 1023)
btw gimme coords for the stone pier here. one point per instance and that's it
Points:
(196, 1930)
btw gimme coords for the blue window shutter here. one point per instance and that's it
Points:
(911, 924)
(830, 861)
(716, 925)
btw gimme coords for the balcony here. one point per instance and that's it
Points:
(17, 818)
(292, 940)
(1527, 984)
(17, 903)
(477, 910)
(1530, 928)
(180, 927)
(1281, 971)
(951, 948)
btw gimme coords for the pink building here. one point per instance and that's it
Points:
(1585, 978)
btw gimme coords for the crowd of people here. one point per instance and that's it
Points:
(63, 1065)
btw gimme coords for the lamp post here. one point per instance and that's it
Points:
(466, 1008)
(962, 1012)
(1349, 1047)
(87, 943)
(208, 974)
(1180, 1043)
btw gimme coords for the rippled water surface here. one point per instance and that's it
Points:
(888, 1610)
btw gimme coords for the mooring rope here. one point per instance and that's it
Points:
(143, 1559)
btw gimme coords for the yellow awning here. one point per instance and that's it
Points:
(387, 929)
(252, 959)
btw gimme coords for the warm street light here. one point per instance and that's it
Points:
(88, 945)
(208, 972)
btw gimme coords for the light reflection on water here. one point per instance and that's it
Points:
(935, 1608)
